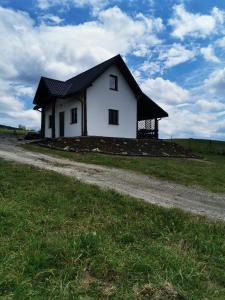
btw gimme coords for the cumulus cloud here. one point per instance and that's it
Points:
(176, 54)
(29, 50)
(209, 55)
(62, 51)
(95, 5)
(187, 123)
(12, 110)
(51, 19)
(189, 115)
(165, 91)
(215, 83)
(185, 23)
(210, 105)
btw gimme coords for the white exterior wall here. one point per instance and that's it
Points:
(100, 99)
(70, 130)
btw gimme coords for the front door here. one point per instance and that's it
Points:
(61, 123)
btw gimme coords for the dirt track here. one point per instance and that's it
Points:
(140, 186)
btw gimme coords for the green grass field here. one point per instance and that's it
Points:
(61, 239)
(202, 146)
(12, 131)
(208, 173)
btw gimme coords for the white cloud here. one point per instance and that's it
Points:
(209, 55)
(51, 19)
(63, 51)
(187, 123)
(210, 105)
(215, 83)
(176, 54)
(29, 50)
(189, 114)
(185, 23)
(12, 109)
(165, 91)
(95, 5)
(221, 42)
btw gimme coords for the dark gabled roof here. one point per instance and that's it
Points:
(148, 109)
(85, 79)
(48, 87)
(56, 87)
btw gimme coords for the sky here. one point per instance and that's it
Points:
(174, 48)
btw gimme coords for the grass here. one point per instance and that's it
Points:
(202, 146)
(208, 173)
(12, 131)
(61, 239)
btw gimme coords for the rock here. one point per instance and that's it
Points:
(125, 143)
(124, 153)
(77, 140)
(67, 148)
(96, 150)
(117, 145)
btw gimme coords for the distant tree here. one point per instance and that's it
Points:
(22, 127)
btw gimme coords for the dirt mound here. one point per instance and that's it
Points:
(119, 146)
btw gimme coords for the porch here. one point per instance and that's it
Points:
(148, 129)
(148, 116)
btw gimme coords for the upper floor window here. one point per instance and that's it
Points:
(74, 115)
(113, 82)
(113, 117)
(50, 121)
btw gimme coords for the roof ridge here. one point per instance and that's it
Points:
(98, 65)
(52, 79)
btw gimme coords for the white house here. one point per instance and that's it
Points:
(102, 101)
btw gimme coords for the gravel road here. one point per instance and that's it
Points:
(148, 188)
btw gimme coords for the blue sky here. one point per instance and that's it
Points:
(175, 49)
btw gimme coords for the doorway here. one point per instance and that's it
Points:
(61, 124)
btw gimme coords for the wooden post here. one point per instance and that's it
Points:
(156, 129)
(53, 118)
(43, 122)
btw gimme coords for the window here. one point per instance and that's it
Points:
(113, 117)
(113, 82)
(74, 115)
(50, 121)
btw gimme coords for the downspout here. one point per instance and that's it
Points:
(42, 111)
(85, 113)
(53, 117)
(43, 122)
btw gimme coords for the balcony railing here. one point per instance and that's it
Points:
(147, 129)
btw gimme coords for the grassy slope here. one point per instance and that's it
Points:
(61, 239)
(12, 132)
(207, 174)
(202, 146)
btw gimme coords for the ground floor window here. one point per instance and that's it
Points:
(50, 121)
(74, 115)
(113, 117)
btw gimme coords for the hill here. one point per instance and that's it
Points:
(200, 146)
(8, 127)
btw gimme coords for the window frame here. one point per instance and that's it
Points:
(113, 116)
(50, 121)
(115, 77)
(73, 117)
